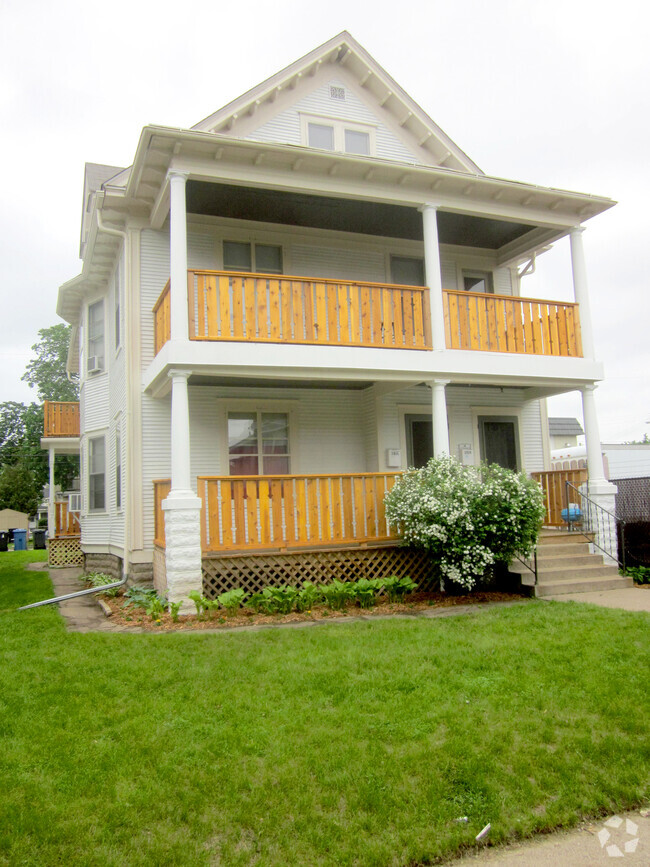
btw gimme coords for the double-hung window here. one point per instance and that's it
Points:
(95, 360)
(244, 256)
(96, 474)
(258, 443)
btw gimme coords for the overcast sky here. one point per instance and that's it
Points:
(553, 92)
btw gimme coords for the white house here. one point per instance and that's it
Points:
(285, 305)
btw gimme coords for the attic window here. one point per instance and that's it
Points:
(337, 92)
(332, 134)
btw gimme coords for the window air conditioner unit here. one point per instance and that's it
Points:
(74, 502)
(95, 364)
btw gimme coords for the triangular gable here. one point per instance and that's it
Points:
(415, 137)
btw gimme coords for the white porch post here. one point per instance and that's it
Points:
(439, 417)
(433, 275)
(581, 290)
(602, 492)
(178, 255)
(182, 507)
(51, 515)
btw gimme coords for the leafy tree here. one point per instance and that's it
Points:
(643, 442)
(47, 371)
(18, 488)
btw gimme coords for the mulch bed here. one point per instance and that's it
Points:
(415, 604)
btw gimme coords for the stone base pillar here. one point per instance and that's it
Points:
(183, 548)
(603, 524)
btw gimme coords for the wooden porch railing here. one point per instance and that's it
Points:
(161, 487)
(66, 522)
(505, 323)
(161, 320)
(61, 418)
(267, 308)
(293, 511)
(553, 483)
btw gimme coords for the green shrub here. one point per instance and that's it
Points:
(467, 517)
(202, 604)
(337, 594)
(641, 574)
(98, 579)
(280, 599)
(233, 599)
(138, 597)
(366, 590)
(308, 596)
(398, 587)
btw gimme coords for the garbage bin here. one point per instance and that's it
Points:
(39, 539)
(20, 540)
(4, 541)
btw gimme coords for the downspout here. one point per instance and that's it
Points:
(120, 233)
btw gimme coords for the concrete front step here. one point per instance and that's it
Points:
(562, 537)
(582, 585)
(567, 572)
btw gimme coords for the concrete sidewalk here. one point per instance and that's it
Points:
(624, 838)
(629, 598)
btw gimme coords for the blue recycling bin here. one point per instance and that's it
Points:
(20, 540)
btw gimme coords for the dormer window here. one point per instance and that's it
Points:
(344, 136)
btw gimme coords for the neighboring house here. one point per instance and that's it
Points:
(564, 432)
(286, 305)
(10, 519)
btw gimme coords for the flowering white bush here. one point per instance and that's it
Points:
(468, 517)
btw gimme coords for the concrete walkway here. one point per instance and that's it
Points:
(623, 839)
(82, 614)
(629, 598)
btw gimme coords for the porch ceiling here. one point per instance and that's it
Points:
(251, 382)
(368, 218)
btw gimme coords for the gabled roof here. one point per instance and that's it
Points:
(564, 427)
(343, 51)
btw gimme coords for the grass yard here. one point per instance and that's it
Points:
(338, 745)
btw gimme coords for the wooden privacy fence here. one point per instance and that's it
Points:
(61, 418)
(553, 483)
(66, 522)
(162, 320)
(161, 487)
(280, 512)
(268, 308)
(504, 323)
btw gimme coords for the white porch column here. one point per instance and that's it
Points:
(433, 275)
(602, 492)
(178, 255)
(439, 417)
(581, 290)
(51, 515)
(182, 507)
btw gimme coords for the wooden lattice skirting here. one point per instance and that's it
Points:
(256, 571)
(65, 551)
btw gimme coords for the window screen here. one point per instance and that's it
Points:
(321, 136)
(407, 270)
(357, 142)
(268, 259)
(236, 256)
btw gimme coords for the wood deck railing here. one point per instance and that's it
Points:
(66, 522)
(553, 483)
(293, 511)
(267, 308)
(61, 418)
(161, 487)
(504, 323)
(162, 320)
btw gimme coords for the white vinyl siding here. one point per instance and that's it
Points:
(338, 263)
(285, 127)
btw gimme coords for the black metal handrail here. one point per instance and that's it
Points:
(591, 532)
(525, 562)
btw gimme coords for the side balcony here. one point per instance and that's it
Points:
(261, 308)
(61, 419)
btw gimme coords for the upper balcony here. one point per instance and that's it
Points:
(61, 419)
(266, 308)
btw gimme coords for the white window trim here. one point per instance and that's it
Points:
(252, 405)
(253, 244)
(340, 125)
(91, 303)
(89, 509)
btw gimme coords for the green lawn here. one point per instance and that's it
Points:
(338, 745)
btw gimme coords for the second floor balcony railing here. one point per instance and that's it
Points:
(268, 308)
(508, 323)
(61, 418)
(263, 308)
